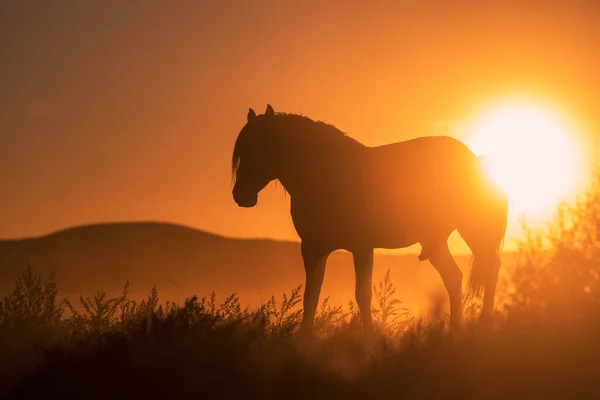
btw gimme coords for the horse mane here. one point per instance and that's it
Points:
(325, 130)
(290, 127)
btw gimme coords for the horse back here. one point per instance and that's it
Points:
(421, 182)
(420, 165)
(423, 152)
(389, 195)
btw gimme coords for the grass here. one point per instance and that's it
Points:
(544, 342)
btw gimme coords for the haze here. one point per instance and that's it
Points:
(129, 110)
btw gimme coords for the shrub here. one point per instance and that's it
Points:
(543, 345)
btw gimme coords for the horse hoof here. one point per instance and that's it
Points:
(304, 341)
(305, 336)
(456, 331)
(486, 322)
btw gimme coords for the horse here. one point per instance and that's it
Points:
(345, 195)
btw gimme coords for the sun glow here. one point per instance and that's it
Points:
(530, 153)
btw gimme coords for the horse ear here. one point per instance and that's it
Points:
(270, 112)
(251, 115)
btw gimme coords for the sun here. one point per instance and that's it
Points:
(529, 151)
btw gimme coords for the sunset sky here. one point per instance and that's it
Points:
(128, 110)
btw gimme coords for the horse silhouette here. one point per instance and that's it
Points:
(345, 195)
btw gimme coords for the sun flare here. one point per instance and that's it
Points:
(529, 152)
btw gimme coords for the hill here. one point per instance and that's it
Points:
(182, 261)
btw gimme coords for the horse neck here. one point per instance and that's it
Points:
(312, 167)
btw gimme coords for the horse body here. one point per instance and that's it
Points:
(345, 195)
(391, 200)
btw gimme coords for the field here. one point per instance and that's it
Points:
(543, 344)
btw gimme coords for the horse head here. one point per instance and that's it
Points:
(253, 164)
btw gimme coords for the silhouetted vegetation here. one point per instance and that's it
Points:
(544, 342)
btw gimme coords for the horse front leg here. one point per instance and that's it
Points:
(314, 267)
(363, 267)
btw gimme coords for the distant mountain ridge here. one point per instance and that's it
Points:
(113, 225)
(182, 261)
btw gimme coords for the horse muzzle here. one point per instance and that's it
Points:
(245, 200)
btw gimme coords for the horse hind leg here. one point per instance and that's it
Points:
(483, 228)
(440, 258)
(485, 269)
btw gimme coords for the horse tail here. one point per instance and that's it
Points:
(486, 231)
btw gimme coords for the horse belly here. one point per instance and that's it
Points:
(394, 219)
(349, 229)
(390, 229)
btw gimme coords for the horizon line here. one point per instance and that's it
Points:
(198, 230)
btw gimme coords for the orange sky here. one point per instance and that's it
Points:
(129, 110)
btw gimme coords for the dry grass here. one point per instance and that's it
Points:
(544, 342)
